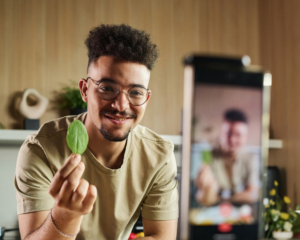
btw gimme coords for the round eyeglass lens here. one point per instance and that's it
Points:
(137, 95)
(108, 90)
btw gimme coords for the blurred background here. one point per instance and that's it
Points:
(42, 47)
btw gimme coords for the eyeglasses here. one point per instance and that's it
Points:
(109, 90)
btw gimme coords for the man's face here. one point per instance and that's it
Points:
(114, 118)
(233, 136)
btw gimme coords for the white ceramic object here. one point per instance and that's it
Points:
(282, 235)
(36, 111)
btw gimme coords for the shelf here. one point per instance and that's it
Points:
(18, 137)
(274, 143)
(14, 136)
(176, 139)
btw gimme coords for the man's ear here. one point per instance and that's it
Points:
(83, 89)
(149, 96)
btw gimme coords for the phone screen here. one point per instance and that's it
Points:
(226, 163)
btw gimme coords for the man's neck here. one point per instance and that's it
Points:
(108, 153)
(224, 154)
(229, 157)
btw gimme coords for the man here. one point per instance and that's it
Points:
(126, 167)
(233, 173)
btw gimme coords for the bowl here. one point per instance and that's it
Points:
(282, 235)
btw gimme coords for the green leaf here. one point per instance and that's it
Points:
(207, 157)
(77, 137)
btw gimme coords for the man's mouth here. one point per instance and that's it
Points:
(117, 119)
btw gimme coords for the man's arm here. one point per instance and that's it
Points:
(29, 222)
(160, 230)
(249, 195)
(73, 199)
(38, 225)
(160, 207)
(251, 192)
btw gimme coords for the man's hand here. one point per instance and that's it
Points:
(74, 197)
(208, 187)
(205, 178)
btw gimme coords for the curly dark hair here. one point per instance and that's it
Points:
(235, 115)
(121, 41)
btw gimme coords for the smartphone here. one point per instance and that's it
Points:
(224, 148)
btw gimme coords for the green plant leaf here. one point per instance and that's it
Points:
(70, 97)
(206, 157)
(77, 137)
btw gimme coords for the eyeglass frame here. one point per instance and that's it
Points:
(121, 90)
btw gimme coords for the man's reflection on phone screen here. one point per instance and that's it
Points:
(228, 171)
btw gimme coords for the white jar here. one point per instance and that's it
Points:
(282, 235)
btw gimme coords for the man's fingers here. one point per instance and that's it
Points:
(70, 164)
(80, 192)
(63, 173)
(90, 199)
(70, 184)
(203, 178)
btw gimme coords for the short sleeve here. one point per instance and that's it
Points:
(32, 179)
(161, 202)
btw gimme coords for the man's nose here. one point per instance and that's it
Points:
(230, 140)
(121, 102)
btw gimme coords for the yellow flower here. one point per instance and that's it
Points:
(287, 200)
(272, 202)
(273, 192)
(275, 212)
(284, 216)
(267, 206)
(275, 183)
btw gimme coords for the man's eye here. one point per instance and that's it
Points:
(106, 89)
(136, 93)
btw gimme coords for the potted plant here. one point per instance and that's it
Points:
(278, 222)
(296, 225)
(70, 98)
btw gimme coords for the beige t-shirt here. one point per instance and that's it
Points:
(245, 172)
(145, 180)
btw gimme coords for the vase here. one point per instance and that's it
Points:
(282, 235)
